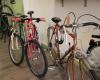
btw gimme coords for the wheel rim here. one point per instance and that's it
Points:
(36, 59)
(15, 50)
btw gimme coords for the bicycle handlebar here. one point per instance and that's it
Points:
(83, 24)
(20, 19)
(36, 19)
(91, 23)
(96, 36)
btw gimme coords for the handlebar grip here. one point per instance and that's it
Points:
(96, 36)
(91, 23)
(39, 19)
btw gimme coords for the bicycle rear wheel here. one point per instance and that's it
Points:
(52, 49)
(6, 21)
(36, 59)
(79, 72)
(16, 49)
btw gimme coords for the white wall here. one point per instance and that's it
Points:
(41, 8)
(77, 6)
(50, 8)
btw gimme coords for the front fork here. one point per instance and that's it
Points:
(12, 42)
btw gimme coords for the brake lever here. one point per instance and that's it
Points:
(37, 20)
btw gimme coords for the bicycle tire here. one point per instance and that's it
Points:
(33, 60)
(6, 7)
(16, 57)
(7, 10)
(93, 51)
(80, 71)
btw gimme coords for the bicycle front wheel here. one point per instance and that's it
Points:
(52, 48)
(16, 49)
(36, 59)
(94, 52)
(77, 70)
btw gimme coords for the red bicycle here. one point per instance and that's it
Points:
(35, 54)
(25, 40)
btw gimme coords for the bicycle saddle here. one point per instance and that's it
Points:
(30, 12)
(56, 19)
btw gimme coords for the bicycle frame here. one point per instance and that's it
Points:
(71, 49)
(14, 28)
(73, 35)
(73, 53)
(55, 31)
(30, 29)
(31, 35)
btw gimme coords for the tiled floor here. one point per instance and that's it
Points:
(8, 71)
